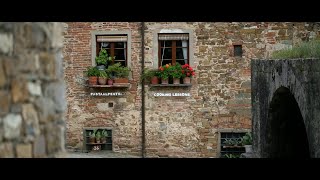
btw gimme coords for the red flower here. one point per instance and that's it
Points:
(187, 71)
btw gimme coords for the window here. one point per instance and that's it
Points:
(116, 46)
(173, 48)
(237, 50)
(228, 149)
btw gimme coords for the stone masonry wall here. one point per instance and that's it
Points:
(177, 126)
(88, 111)
(32, 92)
(221, 92)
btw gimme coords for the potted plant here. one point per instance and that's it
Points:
(98, 137)
(102, 78)
(119, 73)
(187, 73)
(246, 141)
(151, 75)
(104, 135)
(92, 73)
(164, 73)
(176, 73)
(92, 136)
(102, 59)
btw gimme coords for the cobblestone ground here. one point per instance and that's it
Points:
(100, 154)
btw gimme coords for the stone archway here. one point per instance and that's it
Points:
(286, 135)
(286, 108)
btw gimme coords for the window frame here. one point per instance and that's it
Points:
(94, 43)
(228, 131)
(112, 48)
(155, 44)
(173, 51)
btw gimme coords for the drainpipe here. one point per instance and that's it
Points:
(143, 148)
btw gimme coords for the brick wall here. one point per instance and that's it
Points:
(32, 92)
(177, 126)
(89, 111)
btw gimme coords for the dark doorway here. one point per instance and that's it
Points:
(286, 135)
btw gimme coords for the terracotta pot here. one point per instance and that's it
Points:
(154, 80)
(186, 80)
(176, 80)
(121, 80)
(92, 140)
(102, 81)
(164, 81)
(110, 81)
(93, 80)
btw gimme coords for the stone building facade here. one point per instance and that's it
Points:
(190, 126)
(32, 90)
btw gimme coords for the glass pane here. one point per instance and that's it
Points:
(237, 50)
(105, 44)
(181, 53)
(166, 53)
(120, 54)
(164, 62)
(167, 43)
(119, 44)
(183, 43)
(182, 62)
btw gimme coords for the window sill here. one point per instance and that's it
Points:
(115, 85)
(170, 85)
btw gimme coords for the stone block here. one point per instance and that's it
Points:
(12, 126)
(6, 150)
(24, 150)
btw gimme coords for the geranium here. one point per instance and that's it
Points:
(187, 71)
(164, 71)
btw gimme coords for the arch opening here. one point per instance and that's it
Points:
(286, 135)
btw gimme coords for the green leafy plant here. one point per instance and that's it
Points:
(104, 133)
(103, 57)
(149, 73)
(309, 49)
(232, 156)
(98, 135)
(164, 71)
(92, 71)
(118, 71)
(92, 135)
(103, 74)
(247, 139)
(176, 71)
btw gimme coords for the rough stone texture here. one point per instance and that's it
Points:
(34, 89)
(31, 122)
(6, 46)
(6, 150)
(24, 150)
(4, 102)
(12, 126)
(19, 91)
(176, 126)
(39, 147)
(2, 76)
(55, 138)
(30, 62)
(301, 77)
